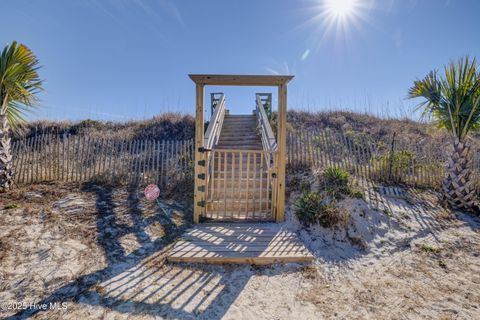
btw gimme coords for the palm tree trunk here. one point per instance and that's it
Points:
(6, 159)
(457, 185)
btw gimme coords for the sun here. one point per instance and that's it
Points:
(340, 8)
(337, 19)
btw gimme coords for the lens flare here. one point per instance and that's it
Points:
(336, 19)
(341, 8)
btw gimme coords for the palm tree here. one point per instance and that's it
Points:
(453, 102)
(19, 83)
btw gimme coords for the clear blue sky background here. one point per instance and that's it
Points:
(123, 59)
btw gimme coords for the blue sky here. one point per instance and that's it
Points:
(124, 59)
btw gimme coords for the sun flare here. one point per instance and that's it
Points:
(341, 8)
(337, 19)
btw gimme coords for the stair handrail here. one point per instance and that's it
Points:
(215, 126)
(268, 139)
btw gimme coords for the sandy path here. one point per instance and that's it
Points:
(425, 266)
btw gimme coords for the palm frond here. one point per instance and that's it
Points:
(452, 101)
(19, 83)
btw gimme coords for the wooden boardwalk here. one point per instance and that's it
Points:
(261, 243)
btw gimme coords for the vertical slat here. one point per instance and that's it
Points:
(65, 140)
(157, 160)
(103, 156)
(267, 188)
(255, 184)
(81, 160)
(144, 157)
(329, 152)
(19, 154)
(211, 176)
(43, 156)
(36, 161)
(128, 165)
(118, 159)
(162, 162)
(25, 164)
(240, 178)
(248, 186)
(219, 171)
(262, 170)
(111, 154)
(71, 157)
(232, 195)
(138, 152)
(130, 160)
(224, 184)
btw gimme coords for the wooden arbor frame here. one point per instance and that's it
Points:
(202, 80)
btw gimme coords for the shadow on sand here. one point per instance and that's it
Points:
(139, 281)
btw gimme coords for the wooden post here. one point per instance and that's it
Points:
(199, 192)
(282, 152)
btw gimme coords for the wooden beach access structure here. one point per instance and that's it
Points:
(240, 177)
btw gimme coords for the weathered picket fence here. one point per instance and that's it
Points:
(402, 161)
(51, 157)
(81, 158)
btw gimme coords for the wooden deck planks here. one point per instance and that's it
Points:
(262, 243)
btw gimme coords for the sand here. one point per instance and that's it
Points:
(101, 251)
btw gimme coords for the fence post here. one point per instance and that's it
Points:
(392, 150)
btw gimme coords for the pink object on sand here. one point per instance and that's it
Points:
(152, 192)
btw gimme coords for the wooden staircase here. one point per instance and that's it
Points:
(240, 167)
(237, 179)
(239, 132)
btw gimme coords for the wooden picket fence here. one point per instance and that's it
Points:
(49, 157)
(399, 161)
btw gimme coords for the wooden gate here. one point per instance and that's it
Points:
(240, 185)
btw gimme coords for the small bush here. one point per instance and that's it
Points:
(336, 176)
(10, 206)
(393, 166)
(310, 209)
(337, 184)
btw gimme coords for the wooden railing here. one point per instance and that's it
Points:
(268, 139)
(215, 126)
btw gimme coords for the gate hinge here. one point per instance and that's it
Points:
(201, 203)
(274, 175)
(201, 188)
(202, 149)
(201, 163)
(201, 176)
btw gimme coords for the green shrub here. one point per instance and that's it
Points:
(393, 165)
(310, 208)
(10, 206)
(336, 176)
(307, 207)
(337, 183)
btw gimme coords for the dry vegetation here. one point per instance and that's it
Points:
(175, 126)
(166, 126)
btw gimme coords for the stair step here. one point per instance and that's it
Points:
(239, 129)
(240, 143)
(239, 140)
(240, 117)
